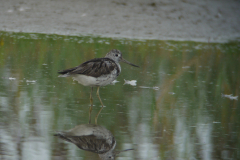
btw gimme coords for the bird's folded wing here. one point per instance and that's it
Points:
(95, 68)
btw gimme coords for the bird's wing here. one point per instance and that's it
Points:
(95, 68)
(90, 143)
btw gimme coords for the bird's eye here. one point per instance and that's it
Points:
(116, 55)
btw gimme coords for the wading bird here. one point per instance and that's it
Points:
(97, 72)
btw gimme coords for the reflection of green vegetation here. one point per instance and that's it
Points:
(191, 76)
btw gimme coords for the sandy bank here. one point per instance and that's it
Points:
(205, 20)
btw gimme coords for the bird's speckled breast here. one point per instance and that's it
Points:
(107, 79)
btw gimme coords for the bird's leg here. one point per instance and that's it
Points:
(101, 107)
(98, 115)
(99, 96)
(91, 105)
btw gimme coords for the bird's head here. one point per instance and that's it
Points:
(116, 55)
(111, 155)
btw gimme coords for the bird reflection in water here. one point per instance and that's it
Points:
(93, 138)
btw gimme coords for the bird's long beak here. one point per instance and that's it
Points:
(125, 61)
(117, 152)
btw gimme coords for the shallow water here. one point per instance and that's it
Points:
(185, 104)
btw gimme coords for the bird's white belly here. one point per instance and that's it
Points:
(92, 81)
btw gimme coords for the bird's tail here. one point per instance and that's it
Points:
(62, 136)
(65, 73)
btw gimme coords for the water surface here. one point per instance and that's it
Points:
(184, 104)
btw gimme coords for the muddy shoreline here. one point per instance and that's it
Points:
(186, 20)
